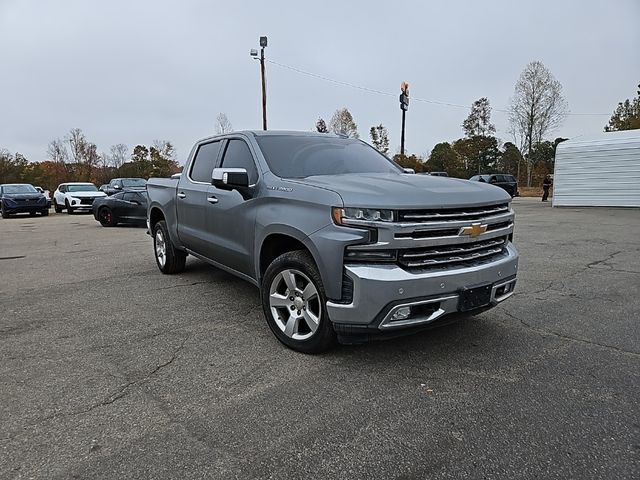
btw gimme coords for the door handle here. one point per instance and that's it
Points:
(212, 200)
(182, 195)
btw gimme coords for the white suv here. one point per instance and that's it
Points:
(75, 196)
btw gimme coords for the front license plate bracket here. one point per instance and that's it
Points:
(474, 297)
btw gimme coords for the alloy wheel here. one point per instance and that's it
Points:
(295, 304)
(161, 248)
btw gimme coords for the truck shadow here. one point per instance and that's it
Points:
(447, 340)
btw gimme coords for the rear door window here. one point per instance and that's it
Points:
(204, 161)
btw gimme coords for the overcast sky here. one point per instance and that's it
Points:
(134, 71)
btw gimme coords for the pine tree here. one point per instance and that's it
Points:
(380, 138)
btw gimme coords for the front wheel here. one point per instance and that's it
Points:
(106, 218)
(4, 212)
(45, 213)
(168, 258)
(294, 303)
(68, 207)
(56, 207)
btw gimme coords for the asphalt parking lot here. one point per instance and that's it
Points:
(111, 370)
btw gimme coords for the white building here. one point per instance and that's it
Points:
(600, 170)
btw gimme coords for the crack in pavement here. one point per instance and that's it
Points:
(564, 336)
(604, 260)
(123, 390)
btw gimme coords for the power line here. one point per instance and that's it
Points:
(388, 94)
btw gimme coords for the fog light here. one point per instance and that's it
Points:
(401, 314)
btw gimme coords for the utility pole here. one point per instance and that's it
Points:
(254, 53)
(404, 106)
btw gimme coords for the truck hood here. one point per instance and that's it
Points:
(408, 191)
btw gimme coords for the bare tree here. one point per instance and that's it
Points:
(342, 122)
(118, 155)
(223, 125)
(537, 108)
(57, 150)
(165, 149)
(77, 145)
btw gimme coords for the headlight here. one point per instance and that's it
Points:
(343, 215)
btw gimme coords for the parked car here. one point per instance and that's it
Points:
(119, 184)
(75, 196)
(504, 181)
(123, 207)
(46, 193)
(21, 197)
(341, 242)
(439, 174)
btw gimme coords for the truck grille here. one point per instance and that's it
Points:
(459, 255)
(453, 214)
(439, 239)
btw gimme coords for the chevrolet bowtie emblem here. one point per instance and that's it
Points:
(474, 230)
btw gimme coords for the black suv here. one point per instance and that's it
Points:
(119, 184)
(506, 182)
(22, 197)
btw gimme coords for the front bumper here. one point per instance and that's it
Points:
(379, 291)
(83, 207)
(24, 207)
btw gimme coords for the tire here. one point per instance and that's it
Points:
(45, 213)
(169, 259)
(68, 207)
(106, 217)
(56, 208)
(32, 214)
(4, 212)
(301, 324)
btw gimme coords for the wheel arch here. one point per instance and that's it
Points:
(155, 215)
(279, 242)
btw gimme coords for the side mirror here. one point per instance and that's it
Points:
(230, 178)
(117, 187)
(409, 170)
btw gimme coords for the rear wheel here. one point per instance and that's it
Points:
(106, 217)
(168, 258)
(294, 303)
(32, 214)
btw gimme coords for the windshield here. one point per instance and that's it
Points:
(19, 189)
(134, 182)
(89, 187)
(305, 156)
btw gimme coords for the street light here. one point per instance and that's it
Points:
(254, 54)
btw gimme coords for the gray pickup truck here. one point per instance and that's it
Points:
(342, 242)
